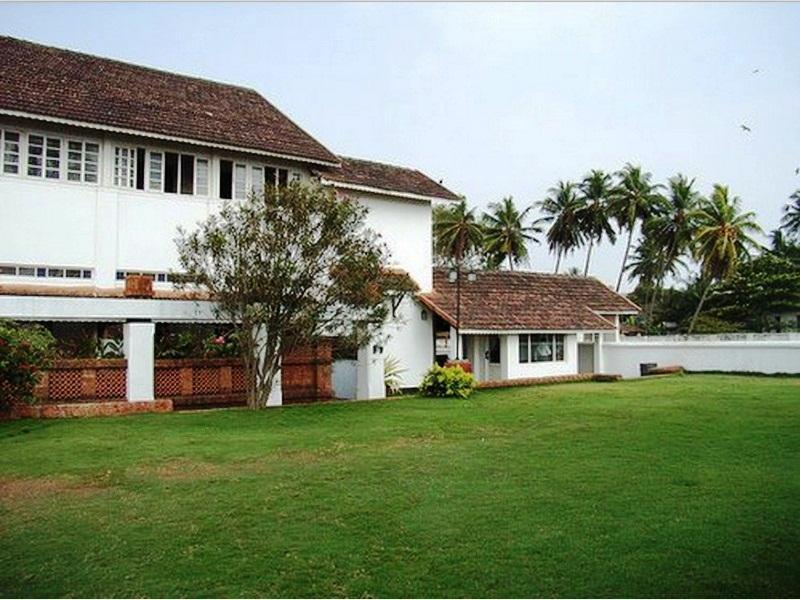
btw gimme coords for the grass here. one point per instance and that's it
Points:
(679, 486)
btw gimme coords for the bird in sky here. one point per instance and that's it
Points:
(797, 171)
(745, 128)
(756, 71)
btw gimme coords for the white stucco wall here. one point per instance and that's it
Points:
(109, 229)
(517, 370)
(405, 226)
(625, 357)
(410, 339)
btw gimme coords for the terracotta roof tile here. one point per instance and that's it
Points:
(61, 83)
(515, 300)
(390, 178)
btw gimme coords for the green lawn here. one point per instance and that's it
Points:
(680, 486)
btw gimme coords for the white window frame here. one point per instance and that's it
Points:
(207, 160)
(148, 175)
(83, 160)
(162, 152)
(553, 347)
(237, 165)
(130, 175)
(21, 163)
(46, 137)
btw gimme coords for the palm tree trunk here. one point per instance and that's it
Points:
(510, 263)
(625, 258)
(699, 307)
(558, 262)
(588, 257)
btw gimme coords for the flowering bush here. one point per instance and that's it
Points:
(447, 382)
(25, 350)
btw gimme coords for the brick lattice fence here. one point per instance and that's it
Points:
(305, 377)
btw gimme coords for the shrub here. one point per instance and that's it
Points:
(447, 382)
(393, 375)
(25, 350)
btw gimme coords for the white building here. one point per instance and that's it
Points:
(102, 161)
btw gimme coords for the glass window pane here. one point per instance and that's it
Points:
(240, 182)
(523, 348)
(202, 177)
(542, 347)
(559, 345)
(156, 171)
(257, 179)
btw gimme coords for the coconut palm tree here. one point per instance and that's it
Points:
(722, 240)
(672, 228)
(506, 232)
(456, 232)
(790, 222)
(562, 208)
(632, 202)
(595, 220)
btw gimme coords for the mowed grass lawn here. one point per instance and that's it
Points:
(679, 486)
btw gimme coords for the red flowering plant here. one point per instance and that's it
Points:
(25, 351)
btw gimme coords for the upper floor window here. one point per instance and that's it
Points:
(83, 159)
(44, 156)
(168, 172)
(125, 167)
(49, 156)
(11, 151)
(237, 179)
(541, 347)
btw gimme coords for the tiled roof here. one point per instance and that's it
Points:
(69, 85)
(389, 178)
(519, 301)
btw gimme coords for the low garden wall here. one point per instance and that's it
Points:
(82, 380)
(698, 354)
(305, 377)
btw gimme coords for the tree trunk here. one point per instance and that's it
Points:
(510, 263)
(558, 262)
(262, 366)
(699, 307)
(625, 258)
(588, 258)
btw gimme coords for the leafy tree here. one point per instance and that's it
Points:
(785, 248)
(762, 287)
(594, 217)
(722, 240)
(632, 202)
(790, 222)
(507, 232)
(25, 351)
(562, 209)
(287, 267)
(457, 234)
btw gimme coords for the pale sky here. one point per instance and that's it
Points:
(496, 100)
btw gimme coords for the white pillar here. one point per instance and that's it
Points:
(369, 374)
(138, 343)
(599, 366)
(509, 355)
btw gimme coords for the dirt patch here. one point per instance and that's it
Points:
(15, 490)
